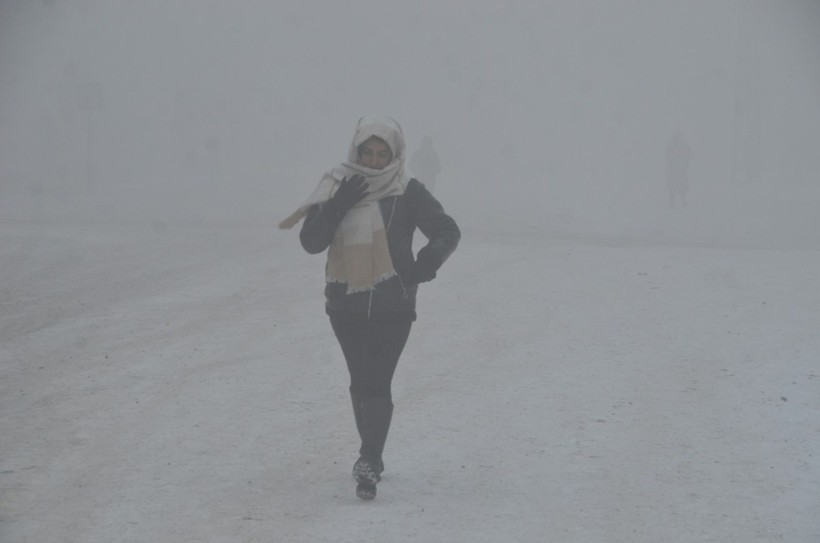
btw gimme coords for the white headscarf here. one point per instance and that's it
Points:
(359, 255)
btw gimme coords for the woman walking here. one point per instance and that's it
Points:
(364, 213)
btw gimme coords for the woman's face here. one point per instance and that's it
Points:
(375, 154)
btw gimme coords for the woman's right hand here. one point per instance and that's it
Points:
(350, 192)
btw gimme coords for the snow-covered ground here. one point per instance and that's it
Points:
(166, 382)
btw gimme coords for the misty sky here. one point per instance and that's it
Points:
(560, 107)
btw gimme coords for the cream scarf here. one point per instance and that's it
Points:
(359, 254)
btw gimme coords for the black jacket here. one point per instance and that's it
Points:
(401, 214)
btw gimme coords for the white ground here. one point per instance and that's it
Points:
(180, 383)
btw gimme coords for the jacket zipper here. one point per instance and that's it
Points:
(401, 282)
(389, 222)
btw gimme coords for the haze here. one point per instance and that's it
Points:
(550, 118)
(597, 362)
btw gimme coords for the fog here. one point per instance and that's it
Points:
(614, 353)
(550, 118)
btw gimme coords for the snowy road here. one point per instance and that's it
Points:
(180, 383)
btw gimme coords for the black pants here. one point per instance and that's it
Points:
(371, 348)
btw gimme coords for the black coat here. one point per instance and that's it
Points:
(401, 215)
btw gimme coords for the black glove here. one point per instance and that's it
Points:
(427, 262)
(351, 192)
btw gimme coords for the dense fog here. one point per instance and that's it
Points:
(550, 118)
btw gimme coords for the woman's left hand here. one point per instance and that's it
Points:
(426, 265)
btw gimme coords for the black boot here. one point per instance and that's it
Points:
(373, 415)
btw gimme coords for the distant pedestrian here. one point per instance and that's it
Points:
(425, 163)
(364, 213)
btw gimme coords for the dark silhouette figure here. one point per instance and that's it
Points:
(425, 163)
(678, 156)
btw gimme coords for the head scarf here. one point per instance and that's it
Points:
(359, 255)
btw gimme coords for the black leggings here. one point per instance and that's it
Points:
(371, 348)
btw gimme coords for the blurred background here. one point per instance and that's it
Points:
(550, 118)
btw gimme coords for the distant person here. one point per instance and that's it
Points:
(678, 157)
(425, 163)
(364, 213)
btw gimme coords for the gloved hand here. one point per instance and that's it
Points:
(350, 192)
(427, 262)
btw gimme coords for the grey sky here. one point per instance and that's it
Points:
(565, 103)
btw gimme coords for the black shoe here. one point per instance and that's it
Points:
(366, 476)
(366, 491)
(365, 471)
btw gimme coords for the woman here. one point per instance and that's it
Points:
(364, 212)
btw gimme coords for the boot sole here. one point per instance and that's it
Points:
(364, 473)
(366, 491)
